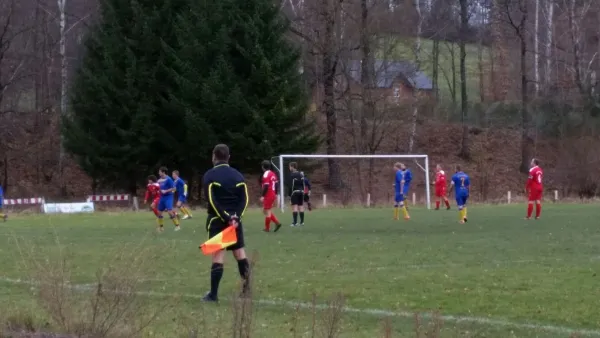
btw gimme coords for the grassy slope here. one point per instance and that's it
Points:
(496, 266)
(405, 51)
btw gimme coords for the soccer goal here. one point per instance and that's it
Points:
(279, 161)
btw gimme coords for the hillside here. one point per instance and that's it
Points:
(494, 167)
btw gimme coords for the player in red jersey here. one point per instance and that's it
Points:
(534, 189)
(440, 188)
(269, 195)
(153, 194)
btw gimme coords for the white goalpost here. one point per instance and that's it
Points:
(280, 168)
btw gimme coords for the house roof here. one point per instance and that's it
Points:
(386, 72)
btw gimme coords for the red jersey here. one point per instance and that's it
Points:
(534, 182)
(269, 179)
(440, 179)
(152, 191)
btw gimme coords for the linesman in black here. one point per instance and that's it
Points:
(227, 196)
(297, 194)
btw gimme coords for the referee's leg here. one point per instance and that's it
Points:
(215, 226)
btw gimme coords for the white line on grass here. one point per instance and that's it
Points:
(373, 312)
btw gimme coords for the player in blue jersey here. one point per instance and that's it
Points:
(401, 188)
(461, 184)
(181, 190)
(167, 189)
(2, 215)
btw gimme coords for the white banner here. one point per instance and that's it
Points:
(68, 208)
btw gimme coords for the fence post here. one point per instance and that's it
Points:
(368, 200)
(324, 200)
(414, 200)
(555, 196)
(136, 204)
(508, 197)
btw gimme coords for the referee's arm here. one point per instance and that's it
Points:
(241, 190)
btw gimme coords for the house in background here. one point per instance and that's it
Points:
(395, 81)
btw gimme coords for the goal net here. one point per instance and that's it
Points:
(361, 180)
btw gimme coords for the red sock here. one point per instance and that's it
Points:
(447, 203)
(437, 204)
(529, 210)
(538, 209)
(267, 223)
(274, 219)
(155, 211)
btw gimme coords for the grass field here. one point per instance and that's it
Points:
(496, 276)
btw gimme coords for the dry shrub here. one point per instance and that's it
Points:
(243, 305)
(113, 306)
(431, 329)
(387, 328)
(331, 319)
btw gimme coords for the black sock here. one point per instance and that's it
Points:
(216, 273)
(301, 216)
(244, 268)
(295, 214)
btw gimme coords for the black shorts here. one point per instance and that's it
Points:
(215, 225)
(297, 198)
(306, 198)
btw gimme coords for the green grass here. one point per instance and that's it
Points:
(404, 50)
(498, 271)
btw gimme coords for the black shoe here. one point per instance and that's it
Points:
(277, 227)
(447, 208)
(465, 219)
(209, 298)
(436, 209)
(309, 207)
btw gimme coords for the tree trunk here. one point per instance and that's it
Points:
(63, 91)
(465, 152)
(436, 66)
(417, 51)
(536, 47)
(549, 38)
(526, 132)
(329, 70)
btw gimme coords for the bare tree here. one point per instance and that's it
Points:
(515, 13)
(465, 152)
(417, 51)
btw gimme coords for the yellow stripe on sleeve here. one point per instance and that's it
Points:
(247, 196)
(210, 198)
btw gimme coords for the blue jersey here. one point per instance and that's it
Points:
(402, 175)
(180, 187)
(461, 182)
(166, 184)
(1, 196)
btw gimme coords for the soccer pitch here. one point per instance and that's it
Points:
(496, 276)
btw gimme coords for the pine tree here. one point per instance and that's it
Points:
(117, 129)
(237, 79)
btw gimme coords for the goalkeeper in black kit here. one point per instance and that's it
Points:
(297, 194)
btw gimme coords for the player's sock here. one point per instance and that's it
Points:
(183, 210)
(447, 203)
(404, 211)
(160, 221)
(437, 204)
(302, 217)
(216, 273)
(244, 268)
(396, 212)
(529, 209)
(295, 217)
(267, 223)
(465, 213)
(461, 214)
(175, 219)
(538, 210)
(274, 219)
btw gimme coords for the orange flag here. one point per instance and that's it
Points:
(221, 241)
